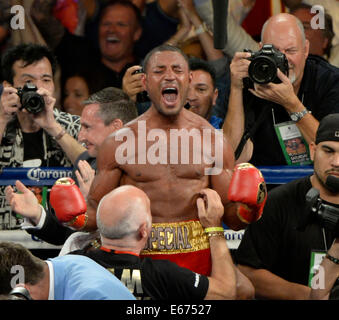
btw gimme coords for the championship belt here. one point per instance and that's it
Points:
(184, 243)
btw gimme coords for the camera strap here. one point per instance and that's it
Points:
(250, 132)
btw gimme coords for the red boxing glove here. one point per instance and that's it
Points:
(248, 188)
(68, 203)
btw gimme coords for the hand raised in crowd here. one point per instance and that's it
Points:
(185, 15)
(210, 208)
(132, 82)
(184, 28)
(23, 202)
(187, 6)
(85, 176)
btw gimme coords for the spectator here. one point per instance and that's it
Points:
(119, 29)
(27, 139)
(320, 38)
(156, 15)
(305, 97)
(70, 277)
(77, 87)
(276, 253)
(202, 93)
(332, 7)
(75, 92)
(105, 112)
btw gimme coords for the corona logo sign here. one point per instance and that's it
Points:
(37, 174)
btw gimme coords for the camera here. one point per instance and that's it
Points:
(326, 215)
(141, 96)
(265, 63)
(30, 99)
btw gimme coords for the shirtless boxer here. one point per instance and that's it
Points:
(174, 188)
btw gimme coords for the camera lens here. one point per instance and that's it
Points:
(33, 102)
(262, 70)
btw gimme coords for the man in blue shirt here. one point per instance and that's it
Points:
(68, 277)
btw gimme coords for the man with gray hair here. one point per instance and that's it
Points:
(286, 111)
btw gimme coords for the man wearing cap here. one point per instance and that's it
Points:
(279, 253)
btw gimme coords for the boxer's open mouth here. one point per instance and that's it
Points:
(170, 94)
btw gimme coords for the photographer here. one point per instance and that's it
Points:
(300, 221)
(33, 133)
(273, 113)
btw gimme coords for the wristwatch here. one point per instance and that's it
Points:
(297, 116)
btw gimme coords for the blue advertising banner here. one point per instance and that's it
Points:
(40, 176)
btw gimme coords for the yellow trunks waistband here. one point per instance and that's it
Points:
(176, 237)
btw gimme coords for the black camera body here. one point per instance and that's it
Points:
(141, 96)
(326, 215)
(30, 100)
(265, 63)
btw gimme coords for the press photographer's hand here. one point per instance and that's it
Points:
(280, 93)
(45, 119)
(239, 68)
(9, 104)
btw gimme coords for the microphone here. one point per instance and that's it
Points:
(332, 183)
(220, 12)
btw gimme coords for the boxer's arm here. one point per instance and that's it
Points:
(106, 179)
(104, 182)
(220, 183)
(68, 202)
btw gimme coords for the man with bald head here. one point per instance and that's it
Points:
(124, 222)
(285, 111)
